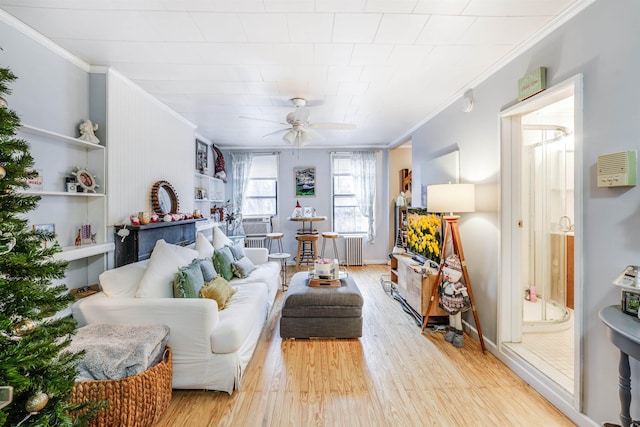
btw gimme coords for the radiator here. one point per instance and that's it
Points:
(254, 242)
(257, 226)
(354, 249)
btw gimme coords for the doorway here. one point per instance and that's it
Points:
(540, 313)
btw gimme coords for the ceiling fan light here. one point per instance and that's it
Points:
(303, 139)
(289, 137)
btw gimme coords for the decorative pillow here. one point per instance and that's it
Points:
(187, 254)
(203, 246)
(208, 271)
(188, 281)
(220, 240)
(243, 267)
(218, 289)
(165, 260)
(222, 260)
(237, 250)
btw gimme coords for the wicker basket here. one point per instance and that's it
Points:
(136, 401)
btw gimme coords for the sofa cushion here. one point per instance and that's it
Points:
(242, 267)
(220, 240)
(208, 270)
(165, 260)
(218, 289)
(264, 273)
(246, 311)
(222, 260)
(188, 281)
(203, 246)
(123, 281)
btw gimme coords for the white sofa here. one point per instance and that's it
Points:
(211, 348)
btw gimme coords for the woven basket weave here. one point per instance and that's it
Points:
(136, 401)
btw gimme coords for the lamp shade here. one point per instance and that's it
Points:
(451, 198)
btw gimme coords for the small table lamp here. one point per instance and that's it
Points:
(453, 198)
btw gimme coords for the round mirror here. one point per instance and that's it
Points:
(163, 198)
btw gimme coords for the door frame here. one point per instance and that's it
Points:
(510, 297)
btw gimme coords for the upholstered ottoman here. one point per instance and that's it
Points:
(318, 312)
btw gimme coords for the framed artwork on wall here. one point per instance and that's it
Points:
(202, 158)
(305, 181)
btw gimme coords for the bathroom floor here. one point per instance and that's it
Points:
(551, 351)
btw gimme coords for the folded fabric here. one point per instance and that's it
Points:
(118, 351)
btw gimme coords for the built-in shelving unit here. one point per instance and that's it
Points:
(207, 191)
(56, 156)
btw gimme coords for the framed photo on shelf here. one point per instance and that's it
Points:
(47, 228)
(305, 181)
(202, 158)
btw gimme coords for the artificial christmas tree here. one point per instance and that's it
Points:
(33, 359)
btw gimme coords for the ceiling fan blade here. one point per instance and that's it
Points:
(333, 126)
(275, 132)
(262, 120)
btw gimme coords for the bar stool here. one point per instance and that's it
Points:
(333, 236)
(280, 256)
(306, 249)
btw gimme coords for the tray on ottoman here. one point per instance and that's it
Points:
(321, 312)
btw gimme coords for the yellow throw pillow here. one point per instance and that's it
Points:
(218, 289)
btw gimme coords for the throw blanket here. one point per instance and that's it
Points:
(118, 351)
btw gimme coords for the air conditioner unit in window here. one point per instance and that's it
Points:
(257, 225)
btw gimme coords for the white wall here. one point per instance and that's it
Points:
(602, 43)
(147, 143)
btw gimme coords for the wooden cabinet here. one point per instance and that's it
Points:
(414, 284)
(139, 244)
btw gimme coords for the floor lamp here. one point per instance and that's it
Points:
(452, 198)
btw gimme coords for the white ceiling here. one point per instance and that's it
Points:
(383, 65)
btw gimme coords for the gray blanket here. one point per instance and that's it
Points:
(118, 351)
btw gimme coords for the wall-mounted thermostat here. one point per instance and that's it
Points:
(617, 169)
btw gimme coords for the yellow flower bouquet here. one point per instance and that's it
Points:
(423, 234)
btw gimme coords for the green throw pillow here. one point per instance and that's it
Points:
(188, 281)
(243, 267)
(222, 260)
(218, 289)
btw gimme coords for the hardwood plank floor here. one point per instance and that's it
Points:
(393, 376)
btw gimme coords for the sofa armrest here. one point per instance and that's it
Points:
(191, 320)
(257, 255)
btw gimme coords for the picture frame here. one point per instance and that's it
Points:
(202, 156)
(37, 182)
(630, 302)
(304, 178)
(49, 228)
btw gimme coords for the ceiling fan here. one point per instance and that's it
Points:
(300, 130)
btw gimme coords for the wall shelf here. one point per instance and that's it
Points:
(61, 193)
(53, 136)
(72, 253)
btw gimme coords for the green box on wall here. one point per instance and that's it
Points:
(532, 83)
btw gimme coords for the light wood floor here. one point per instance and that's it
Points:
(393, 376)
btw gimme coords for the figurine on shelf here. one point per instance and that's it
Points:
(78, 238)
(93, 238)
(86, 131)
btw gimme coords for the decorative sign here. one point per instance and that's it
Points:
(532, 83)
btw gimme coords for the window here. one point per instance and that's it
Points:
(346, 214)
(261, 195)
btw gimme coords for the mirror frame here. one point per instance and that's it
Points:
(155, 201)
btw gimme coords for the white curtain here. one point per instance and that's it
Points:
(363, 164)
(240, 168)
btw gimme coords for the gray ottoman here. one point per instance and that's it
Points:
(321, 312)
